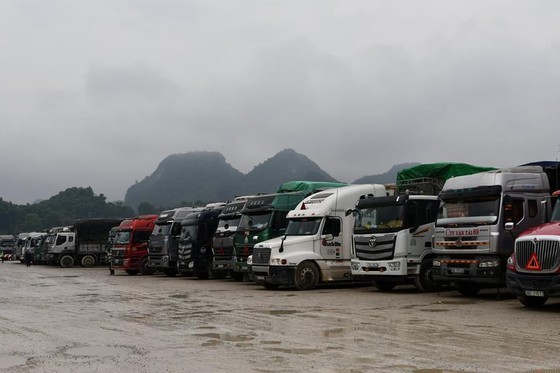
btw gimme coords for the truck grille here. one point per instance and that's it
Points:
(185, 252)
(547, 253)
(117, 253)
(223, 251)
(375, 247)
(261, 255)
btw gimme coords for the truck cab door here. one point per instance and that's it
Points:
(330, 243)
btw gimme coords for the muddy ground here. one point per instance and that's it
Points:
(84, 320)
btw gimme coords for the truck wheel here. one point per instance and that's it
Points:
(532, 301)
(66, 261)
(132, 272)
(145, 268)
(88, 261)
(385, 285)
(424, 281)
(467, 288)
(307, 276)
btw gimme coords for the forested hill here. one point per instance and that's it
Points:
(206, 176)
(183, 179)
(60, 210)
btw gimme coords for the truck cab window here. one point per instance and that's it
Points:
(332, 226)
(513, 210)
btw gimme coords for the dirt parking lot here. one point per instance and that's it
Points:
(84, 320)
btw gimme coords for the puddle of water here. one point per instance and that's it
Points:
(12, 361)
(332, 332)
(226, 337)
(437, 371)
(270, 342)
(99, 351)
(294, 351)
(279, 312)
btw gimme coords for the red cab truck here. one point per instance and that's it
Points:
(130, 246)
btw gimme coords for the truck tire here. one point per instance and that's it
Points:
(145, 268)
(532, 301)
(383, 285)
(88, 261)
(468, 289)
(67, 261)
(132, 272)
(306, 276)
(424, 281)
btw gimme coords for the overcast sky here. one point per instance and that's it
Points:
(97, 93)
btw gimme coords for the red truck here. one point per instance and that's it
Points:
(130, 247)
(533, 270)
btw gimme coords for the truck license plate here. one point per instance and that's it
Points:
(534, 293)
(457, 270)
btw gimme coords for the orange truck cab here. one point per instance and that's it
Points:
(130, 248)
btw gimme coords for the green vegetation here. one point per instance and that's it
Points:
(60, 210)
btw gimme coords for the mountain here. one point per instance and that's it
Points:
(387, 177)
(285, 166)
(190, 177)
(206, 176)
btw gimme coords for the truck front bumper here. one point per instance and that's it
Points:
(274, 275)
(381, 268)
(520, 284)
(481, 270)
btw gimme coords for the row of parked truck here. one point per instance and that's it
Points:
(452, 225)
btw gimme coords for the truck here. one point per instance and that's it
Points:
(393, 235)
(195, 242)
(129, 251)
(83, 242)
(7, 243)
(392, 240)
(316, 245)
(163, 242)
(264, 217)
(533, 270)
(222, 243)
(479, 218)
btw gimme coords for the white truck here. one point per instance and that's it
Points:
(393, 240)
(316, 247)
(84, 242)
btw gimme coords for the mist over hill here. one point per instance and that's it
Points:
(206, 176)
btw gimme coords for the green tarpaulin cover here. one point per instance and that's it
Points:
(441, 171)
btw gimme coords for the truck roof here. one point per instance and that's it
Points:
(335, 199)
(522, 179)
(391, 200)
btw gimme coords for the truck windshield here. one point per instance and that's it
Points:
(188, 233)
(303, 226)
(228, 224)
(122, 238)
(254, 222)
(161, 229)
(485, 208)
(379, 219)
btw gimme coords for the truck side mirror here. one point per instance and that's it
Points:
(327, 237)
(509, 226)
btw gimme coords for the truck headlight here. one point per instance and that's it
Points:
(489, 263)
(250, 260)
(436, 263)
(394, 266)
(356, 266)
